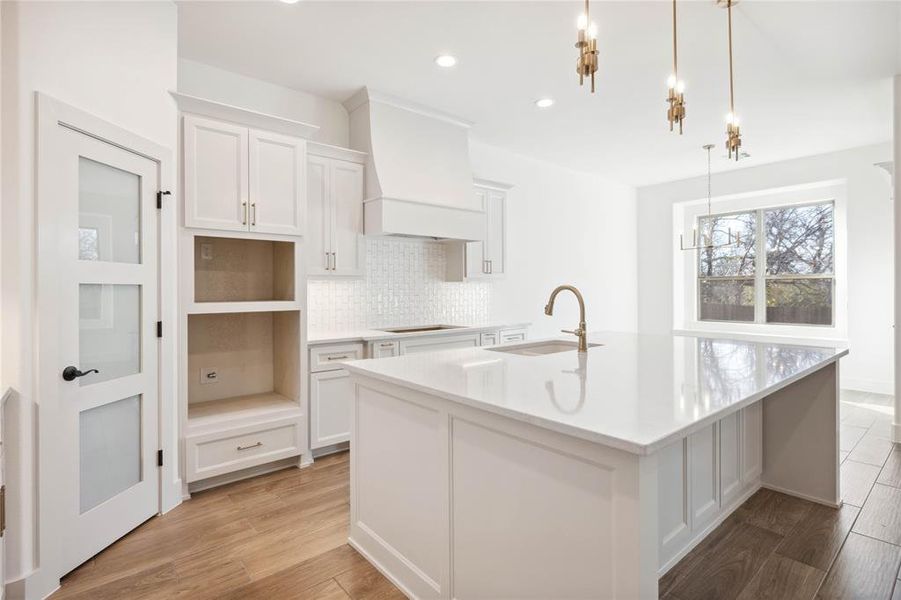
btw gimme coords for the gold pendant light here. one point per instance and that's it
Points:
(733, 131)
(704, 241)
(587, 63)
(676, 96)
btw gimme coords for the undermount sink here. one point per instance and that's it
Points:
(540, 348)
(419, 329)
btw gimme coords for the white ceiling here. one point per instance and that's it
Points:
(811, 77)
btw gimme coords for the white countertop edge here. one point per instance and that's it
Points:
(591, 436)
(370, 335)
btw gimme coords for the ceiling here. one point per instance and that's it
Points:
(811, 77)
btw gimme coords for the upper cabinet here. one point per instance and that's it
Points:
(486, 258)
(335, 188)
(242, 179)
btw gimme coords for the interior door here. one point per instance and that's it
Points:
(276, 183)
(106, 434)
(318, 240)
(216, 179)
(347, 229)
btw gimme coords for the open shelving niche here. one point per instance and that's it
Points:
(241, 317)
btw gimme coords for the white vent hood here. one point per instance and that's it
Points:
(418, 179)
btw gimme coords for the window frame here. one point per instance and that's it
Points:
(761, 277)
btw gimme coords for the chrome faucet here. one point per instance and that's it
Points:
(580, 333)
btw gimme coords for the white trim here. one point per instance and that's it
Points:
(423, 203)
(492, 185)
(243, 116)
(366, 95)
(336, 152)
(51, 114)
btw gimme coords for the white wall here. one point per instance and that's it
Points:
(870, 318)
(563, 226)
(205, 81)
(116, 61)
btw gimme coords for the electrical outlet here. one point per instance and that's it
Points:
(206, 251)
(209, 375)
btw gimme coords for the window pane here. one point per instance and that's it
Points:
(802, 301)
(109, 213)
(799, 241)
(727, 300)
(732, 260)
(109, 449)
(109, 331)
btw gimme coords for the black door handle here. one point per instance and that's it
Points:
(70, 373)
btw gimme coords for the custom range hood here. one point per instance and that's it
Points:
(418, 178)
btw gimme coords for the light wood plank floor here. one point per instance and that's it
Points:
(283, 535)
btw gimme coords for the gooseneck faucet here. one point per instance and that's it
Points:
(581, 332)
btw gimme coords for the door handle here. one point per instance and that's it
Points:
(70, 373)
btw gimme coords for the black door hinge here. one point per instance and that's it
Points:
(159, 329)
(159, 198)
(159, 458)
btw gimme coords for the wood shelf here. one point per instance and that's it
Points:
(214, 414)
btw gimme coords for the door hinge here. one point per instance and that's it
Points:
(2, 510)
(159, 197)
(159, 329)
(159, 458)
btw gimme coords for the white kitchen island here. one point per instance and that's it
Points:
(483, 474)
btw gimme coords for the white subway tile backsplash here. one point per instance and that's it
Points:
(404, 285)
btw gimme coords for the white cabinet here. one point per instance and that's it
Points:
(489, 338)
(335, 204)
(242, 179)
(508, 336)
(383, 349)
(331, 395)
(438, 342)
(486, 258)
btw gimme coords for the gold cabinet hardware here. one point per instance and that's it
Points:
(253, 214)
(342, 357)
(243, 213)
(387, 345)
(257, 445)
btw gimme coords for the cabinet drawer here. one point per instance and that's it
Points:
(488, 339)
(438, 342)
(383, 349)
(512, 335)
(221, 452)
(329, 358)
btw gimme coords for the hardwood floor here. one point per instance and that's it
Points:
(283, 535)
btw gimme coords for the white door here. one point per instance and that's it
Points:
(331, 395)
(346, 191)
(106, 438)
(276, 183)
(216, 180)
(319, 217)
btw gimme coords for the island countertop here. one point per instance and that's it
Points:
(634, 392)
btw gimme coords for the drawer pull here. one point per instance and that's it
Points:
(343, 357)
(257, 445)
(387, 345)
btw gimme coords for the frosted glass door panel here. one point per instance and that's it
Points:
(109, 450)
(109, 331)
(109, 213)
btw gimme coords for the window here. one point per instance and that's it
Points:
(792, 282)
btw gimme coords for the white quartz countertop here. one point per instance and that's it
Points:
(635, 392)
(368, 335)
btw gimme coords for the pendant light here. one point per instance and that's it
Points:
(676, 95)
(705, 241)
(587, 63)
(733, 131)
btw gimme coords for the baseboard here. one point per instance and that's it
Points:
(868, 385)
(380, 568)
(333, 449)
(205, 484)
(828, 503)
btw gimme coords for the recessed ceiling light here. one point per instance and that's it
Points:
(446, 60)
(544, 102)
(290, 1)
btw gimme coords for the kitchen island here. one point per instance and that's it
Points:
(484, 473)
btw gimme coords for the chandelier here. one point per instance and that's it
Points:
(587, 44)
(675, 114)
(704, 241)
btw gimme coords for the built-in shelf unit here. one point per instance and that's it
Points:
(242, 270)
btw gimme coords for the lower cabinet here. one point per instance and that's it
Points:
(383, 349)
(508, 336)
(331, 396)
(438, 342)
(705, 476)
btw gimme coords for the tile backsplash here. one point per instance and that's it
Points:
(404, 285)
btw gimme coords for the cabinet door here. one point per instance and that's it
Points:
(346, 191)
(331, 395)
(216, 177)
(513, 335)
(319, 217)
(495, 217)
(383, 349)
(488, 338)
(476, 265)
(438, 342)
(276, 183)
